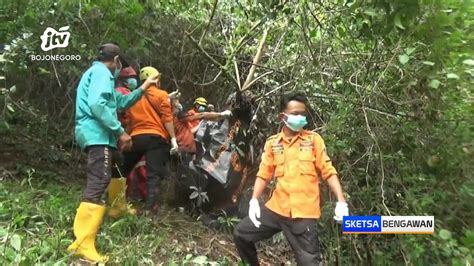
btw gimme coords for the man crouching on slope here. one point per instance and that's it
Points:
(97, 130)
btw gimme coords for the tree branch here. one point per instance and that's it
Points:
(256, 59)
(210, 58)
(209, 22)
(257, 78)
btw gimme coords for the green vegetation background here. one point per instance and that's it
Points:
(391, 84)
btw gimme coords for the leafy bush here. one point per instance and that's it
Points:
(390, 84)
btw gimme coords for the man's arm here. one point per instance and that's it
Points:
(204, 115)
(125, 101)
(336, 187)
(100, 93)
(170, 128)
(326, 169)
(259, 187)
(166, 113)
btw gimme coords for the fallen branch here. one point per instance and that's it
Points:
(208, 249)
(237, 257)
(256, 59)
(237, 74)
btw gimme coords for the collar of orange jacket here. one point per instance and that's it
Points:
(304, 135)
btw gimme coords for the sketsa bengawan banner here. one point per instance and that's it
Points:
(388, 225)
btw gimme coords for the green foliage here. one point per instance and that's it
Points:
(36, 218)
(39, 232)
(227, 222)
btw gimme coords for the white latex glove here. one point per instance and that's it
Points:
(174, 146)
(340, 211)
(175, 94)
(254, 212)
(226, 113)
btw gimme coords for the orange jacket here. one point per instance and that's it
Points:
(150, 113)
(184, 136)
(298, 167)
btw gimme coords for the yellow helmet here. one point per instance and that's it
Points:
(148, 72)
(201, 101)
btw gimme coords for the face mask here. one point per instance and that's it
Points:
(201, 109)
(295, 122)
(132, 83)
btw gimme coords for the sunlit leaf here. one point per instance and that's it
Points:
(200, 260)
(194, 195)
(429, 63)
(410, 50)
(469, 62)
(43, 70)
(370, 11)
(452, 76)
(398, 22)
(444, 234)
(403, 59)
(434, 83)
(15, 242)
(10, 107)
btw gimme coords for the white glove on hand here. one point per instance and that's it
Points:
(254, 212)
(226, 113)
(174, 146)
(340, 211)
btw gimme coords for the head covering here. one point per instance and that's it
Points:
(148, 72)
(110, 50)
(201, 101)
(127, 72)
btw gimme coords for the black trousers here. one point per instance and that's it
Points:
(100, 161)
(300, 233)
(157, 154)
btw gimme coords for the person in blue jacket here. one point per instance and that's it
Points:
(98, 131)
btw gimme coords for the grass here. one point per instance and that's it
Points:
(35, 222)
(37, 214)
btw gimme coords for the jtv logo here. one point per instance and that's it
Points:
(52, 39)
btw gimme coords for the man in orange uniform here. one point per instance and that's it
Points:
(298, 160)
(183, 127)
(152, 131)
